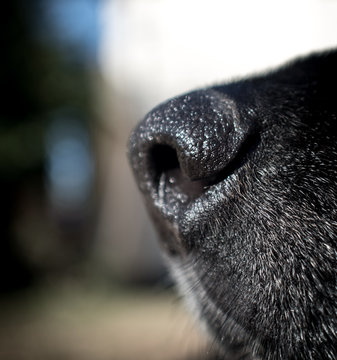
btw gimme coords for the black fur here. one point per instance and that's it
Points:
(240, 180)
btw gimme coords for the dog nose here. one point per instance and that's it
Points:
(188, 141)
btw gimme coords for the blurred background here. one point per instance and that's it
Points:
(80, 272)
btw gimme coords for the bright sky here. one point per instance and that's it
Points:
(154, 49)
(74, 21)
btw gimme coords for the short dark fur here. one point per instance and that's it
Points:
(241, 181)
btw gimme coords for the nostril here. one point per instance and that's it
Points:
(169, 175)
(163, 158)
(166, 168)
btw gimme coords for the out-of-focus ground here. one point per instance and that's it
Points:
(71, 322)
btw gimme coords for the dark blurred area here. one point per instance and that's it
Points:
(74, 271)
(46, 159)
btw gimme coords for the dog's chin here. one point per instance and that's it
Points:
(227, 336)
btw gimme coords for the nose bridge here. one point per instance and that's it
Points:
(203, 127)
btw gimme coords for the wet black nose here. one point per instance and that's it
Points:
(188, 142)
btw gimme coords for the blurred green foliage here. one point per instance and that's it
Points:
(37, 79)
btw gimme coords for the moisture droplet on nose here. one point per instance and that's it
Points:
(172, 180)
